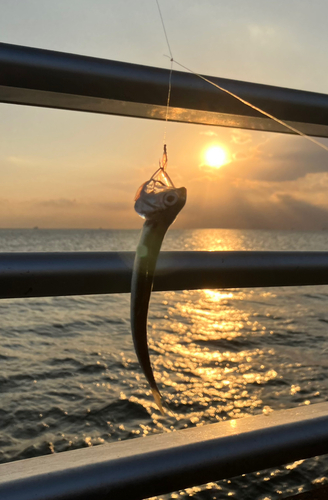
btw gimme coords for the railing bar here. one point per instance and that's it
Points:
(143, 467)
(49, 78)
(83, 273)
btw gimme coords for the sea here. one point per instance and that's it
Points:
(69, 377)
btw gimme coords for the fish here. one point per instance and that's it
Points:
(159, 202)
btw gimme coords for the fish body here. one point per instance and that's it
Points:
(159, 202)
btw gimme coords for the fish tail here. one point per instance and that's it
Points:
(158, 399)
(161, 403)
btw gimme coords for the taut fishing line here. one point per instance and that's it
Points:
(256, 108)
(164, 159)
(281, 122)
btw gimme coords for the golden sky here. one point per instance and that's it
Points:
(70, 169)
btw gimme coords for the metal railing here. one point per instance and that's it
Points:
(83, 273)
(161, 463)
(53, 79)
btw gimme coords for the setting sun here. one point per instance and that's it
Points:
(216, 156)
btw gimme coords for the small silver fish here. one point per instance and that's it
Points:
(158, 202)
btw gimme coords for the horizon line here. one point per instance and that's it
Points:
(38, 228)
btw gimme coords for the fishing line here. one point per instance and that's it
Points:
(164, 160)
(274, 118)
(164, 29)
(256, 108)
(168, 101)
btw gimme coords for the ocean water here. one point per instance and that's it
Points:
(69, 377)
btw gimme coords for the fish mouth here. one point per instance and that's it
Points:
(182, 192)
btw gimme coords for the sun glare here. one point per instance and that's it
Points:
(216, 156)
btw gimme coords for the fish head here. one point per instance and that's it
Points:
(158, 198)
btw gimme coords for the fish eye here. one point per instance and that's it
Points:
(170, 199)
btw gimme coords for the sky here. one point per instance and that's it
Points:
(67, 169)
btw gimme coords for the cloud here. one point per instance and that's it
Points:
(16, 160)
(67, 213)
(115, 205)
(284, 212)
(301, 214)
(261, 33)
(250, 205)
(291, 165)
(240, 156)
(279, 159)
(61, 203)
(209, 133)
(80, 205)
(24, 161)
(241, 137)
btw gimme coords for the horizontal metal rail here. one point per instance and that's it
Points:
(51, 274)
(167, 462)
(52, 79)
